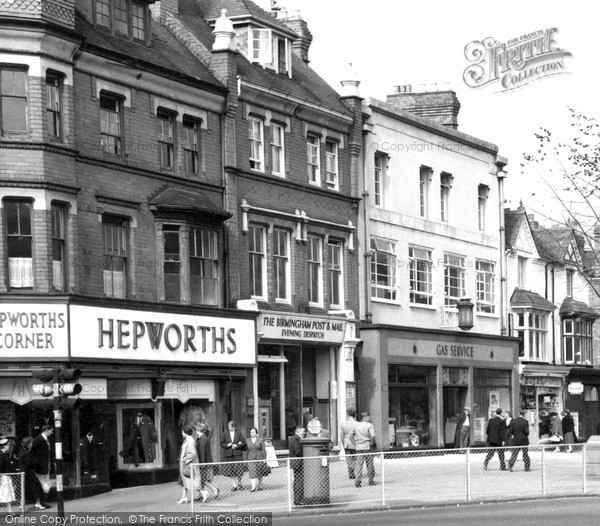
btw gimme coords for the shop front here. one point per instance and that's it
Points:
(305, 370)
(583, 387)
(542, 393)
(146, 370)
(416, 382)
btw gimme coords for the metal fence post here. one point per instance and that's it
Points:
(382, 479)
(543, 471)
(584, 457)
(22, 492)
(289, 484)
(193, 492)
(468, 475)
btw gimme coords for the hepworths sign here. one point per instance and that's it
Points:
(516, 62)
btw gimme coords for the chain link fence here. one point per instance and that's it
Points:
(12, 494)
(410, 477)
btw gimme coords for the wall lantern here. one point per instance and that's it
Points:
(465, 314)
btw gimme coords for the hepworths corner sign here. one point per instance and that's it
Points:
(516, 62)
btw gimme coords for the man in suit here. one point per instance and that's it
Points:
(297, 464)
(348, 429)
(495, 430)
(90, 451)
(507, 420)
(568, 427)
(365, 439)
(143, 437)
(519, 431)
(463, 428)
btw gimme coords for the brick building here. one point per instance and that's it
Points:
(177, 183)
(113, 240)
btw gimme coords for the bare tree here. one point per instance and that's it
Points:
(570, 168)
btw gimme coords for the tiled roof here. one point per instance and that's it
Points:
(571, 307)
(305, 83)
(195, 202)
(236, 8)
(165, 52)
(552, 243)
(526, 298)
(513, 219)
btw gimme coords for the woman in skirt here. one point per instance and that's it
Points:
(7, 491)
(256, 452)
(234, 444)
(33, 488)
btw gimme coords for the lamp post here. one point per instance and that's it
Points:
(465, 314)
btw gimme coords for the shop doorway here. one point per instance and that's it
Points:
(454, 400)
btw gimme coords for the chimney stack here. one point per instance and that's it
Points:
(296, 23)
(429, 101)
(160, 9)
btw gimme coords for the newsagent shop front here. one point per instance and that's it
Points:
(415, 383)
(145, 373)
(305, 370)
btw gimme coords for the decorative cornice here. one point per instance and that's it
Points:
(278, 181)
(149, 173)
(42, 185)
(44, 146)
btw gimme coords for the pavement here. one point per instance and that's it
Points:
(408, 482)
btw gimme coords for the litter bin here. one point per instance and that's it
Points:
(316, 470)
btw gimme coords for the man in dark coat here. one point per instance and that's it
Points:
(41, 451)
(568, 427)
(496, 429)
(297, 465)
(205, 457)
(519, 431)
(90, 450)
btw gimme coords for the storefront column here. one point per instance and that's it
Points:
(345, 373)
(282, 400)
(439, 402)
(255, 396)
(470, 393)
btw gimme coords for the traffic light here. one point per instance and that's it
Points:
(43, 375)
(69, 385)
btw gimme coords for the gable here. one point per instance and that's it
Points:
(524, 241)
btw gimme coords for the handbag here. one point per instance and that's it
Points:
(264, 470)
(187, 471)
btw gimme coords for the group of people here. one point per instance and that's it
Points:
(34, 459)
(196, 450)
(503, 430)
(358, 439)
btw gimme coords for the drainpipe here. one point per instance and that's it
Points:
(502, 259)
(553, 321)
(367, 244)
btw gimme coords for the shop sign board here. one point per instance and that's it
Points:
(33, 330)
(479, 429)
(148, 336)
(575, 388)
(542, 381)
(301, 328)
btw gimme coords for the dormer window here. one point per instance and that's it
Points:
(270, 50)
(126, 18)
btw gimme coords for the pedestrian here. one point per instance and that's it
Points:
(7, 490)
(496, 431)
(519, 432)
(187, 457)
(463, 428)
(297, 464)
(33, 488)
(348, 429)
(568, 426)
(256, 451)
(507, 436)
(234, 444)
(365, 439)
(205, 459)
(41, 453)
(556, 429)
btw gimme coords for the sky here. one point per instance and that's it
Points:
(394, 43)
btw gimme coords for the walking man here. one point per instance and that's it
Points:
(347, 437)
(365, 438)
(519, 431)
(495, 430)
